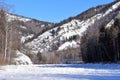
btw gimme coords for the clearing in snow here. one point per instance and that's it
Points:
(61, 72)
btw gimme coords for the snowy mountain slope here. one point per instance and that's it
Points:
(68, 30)
(12, 17)
(72, 44)
(72, 29)
(112, 8)
(27, 27)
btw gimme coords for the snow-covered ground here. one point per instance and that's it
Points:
(61, 72)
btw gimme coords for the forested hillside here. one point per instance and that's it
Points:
(89, 37)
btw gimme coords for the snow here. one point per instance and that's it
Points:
(68, 30)
(42, 25)
(22, 59)
(75, 27)
(67, 45)
(24, 38)
(23, 27)
(61, 72)
(114, 7)
(11, 17)
(110, 24)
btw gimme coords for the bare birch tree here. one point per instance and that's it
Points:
(4, 28)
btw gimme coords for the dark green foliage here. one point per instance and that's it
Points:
(53, 32)
(39, 55)
(104, 47)
(84, 42)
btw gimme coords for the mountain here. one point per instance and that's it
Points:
(73, 28)
(19, 31)
(67, 34)
(66, 41)
(28, 27)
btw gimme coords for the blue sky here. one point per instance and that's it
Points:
(52, 10)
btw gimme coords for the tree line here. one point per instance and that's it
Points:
(101, 44)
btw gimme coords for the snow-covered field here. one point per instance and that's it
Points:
(61, 72)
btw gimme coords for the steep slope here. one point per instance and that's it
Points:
(67, 33)
(28, 27)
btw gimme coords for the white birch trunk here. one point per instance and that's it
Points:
(6, 40)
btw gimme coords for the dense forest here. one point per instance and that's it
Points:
(102, 44)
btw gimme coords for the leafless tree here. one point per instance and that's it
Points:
(4, 27)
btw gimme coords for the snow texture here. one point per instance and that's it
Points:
(23, 27)
(22, 59)
(114, 7)
(24, 38)
(73, 28)
(110, 24)
(11, 17)
(61, 72)
(67, 45)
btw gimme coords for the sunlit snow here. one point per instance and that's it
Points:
(61, 72)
